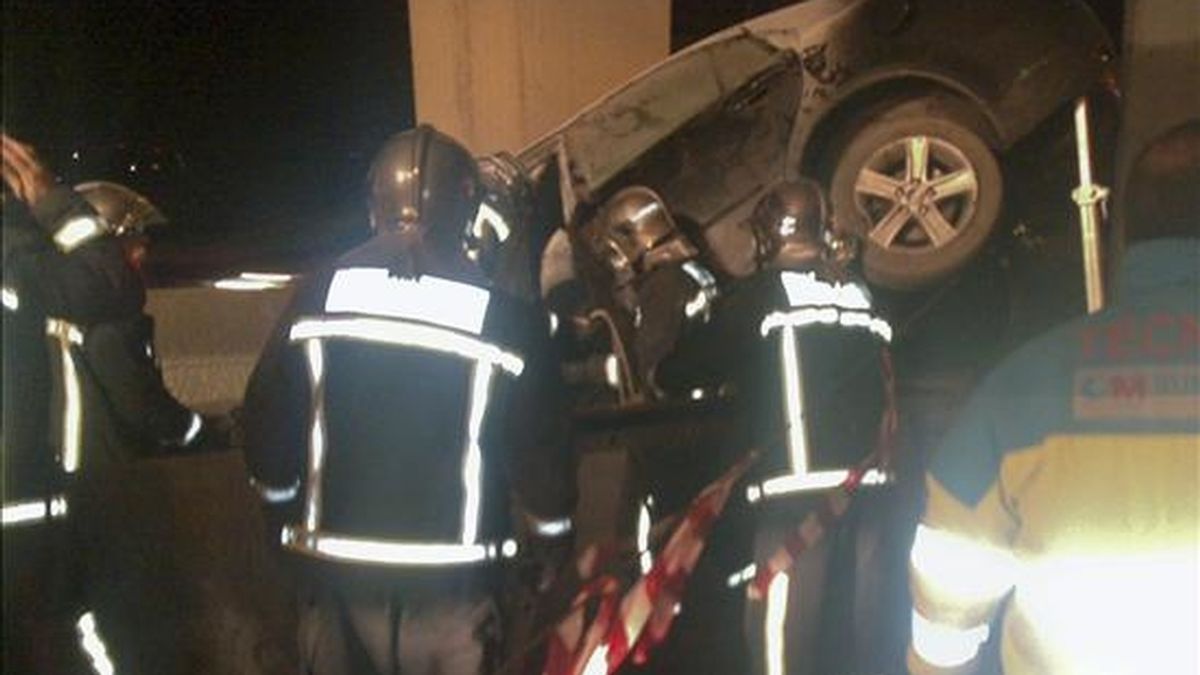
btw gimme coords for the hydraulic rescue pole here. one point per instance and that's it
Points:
(1089, 197)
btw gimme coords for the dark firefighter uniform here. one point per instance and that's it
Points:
(109, 403)
(405, 413)
(38, 599)
(801, 350)
(1064, 500)
(82, 391)
(653, 280)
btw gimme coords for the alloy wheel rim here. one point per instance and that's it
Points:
(916, 194)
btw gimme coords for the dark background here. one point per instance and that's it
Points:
(239, 116)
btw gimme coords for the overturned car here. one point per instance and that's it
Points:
(901, 109)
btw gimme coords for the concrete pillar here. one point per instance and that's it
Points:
(499, 73)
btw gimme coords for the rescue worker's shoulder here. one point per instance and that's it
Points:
(1018, 404)
(59, 204)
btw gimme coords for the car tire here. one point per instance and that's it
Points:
(917, 183)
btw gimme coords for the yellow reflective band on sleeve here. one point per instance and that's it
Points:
(959, 569)
(78, 231)
(945, 646)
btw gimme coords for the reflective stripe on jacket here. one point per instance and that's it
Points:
(396, 383)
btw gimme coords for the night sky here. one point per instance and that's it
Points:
(270, 110)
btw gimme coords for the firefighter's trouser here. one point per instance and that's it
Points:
(826, 615)
(346, 631)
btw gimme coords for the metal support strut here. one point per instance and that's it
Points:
(1090, 198)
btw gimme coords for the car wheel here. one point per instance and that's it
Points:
(919, 186)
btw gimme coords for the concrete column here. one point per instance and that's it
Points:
(499, 73)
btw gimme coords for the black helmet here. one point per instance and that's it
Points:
(425, 182)
(788, 221)
(791, 227)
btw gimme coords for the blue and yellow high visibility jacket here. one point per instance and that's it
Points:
(1063, 502)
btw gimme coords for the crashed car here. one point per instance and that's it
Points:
(902, 108)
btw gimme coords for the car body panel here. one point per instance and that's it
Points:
(845, 48)
(725, 154)
(1016, 83)
(609, 136)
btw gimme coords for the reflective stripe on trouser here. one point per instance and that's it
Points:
(92, 644)
(784, 625)
(836, 609)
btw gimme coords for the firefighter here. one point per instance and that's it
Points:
(81, 272)
(1068, 486)
(655, 284)
(38, 605)
(414, 413)
(81, 342)
(800, 347)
